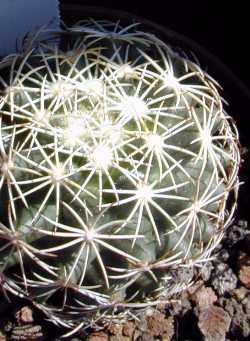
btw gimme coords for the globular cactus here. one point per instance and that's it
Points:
(118, 164)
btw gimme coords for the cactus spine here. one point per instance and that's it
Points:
(117, 161)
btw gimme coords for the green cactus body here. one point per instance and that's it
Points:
(117, 160)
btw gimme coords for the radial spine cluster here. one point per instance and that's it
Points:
(117, 160)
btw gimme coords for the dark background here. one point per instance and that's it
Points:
(222, 27)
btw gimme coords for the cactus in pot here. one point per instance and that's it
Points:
(118, 164)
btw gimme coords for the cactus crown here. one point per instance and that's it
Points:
(116, 163)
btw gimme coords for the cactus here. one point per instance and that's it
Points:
(118, 164)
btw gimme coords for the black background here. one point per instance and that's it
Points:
(222, 27)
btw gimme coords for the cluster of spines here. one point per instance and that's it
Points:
(86, 121)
